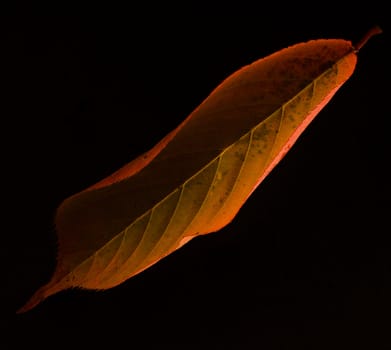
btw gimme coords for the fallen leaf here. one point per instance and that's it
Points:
(197, 178)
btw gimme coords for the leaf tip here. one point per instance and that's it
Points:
(371, 32)
(33, 301)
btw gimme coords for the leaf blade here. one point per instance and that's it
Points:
(243, 162)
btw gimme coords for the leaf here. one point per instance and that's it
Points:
(197, 178)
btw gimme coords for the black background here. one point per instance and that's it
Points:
(305, 264)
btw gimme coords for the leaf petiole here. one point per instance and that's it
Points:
(373, 31)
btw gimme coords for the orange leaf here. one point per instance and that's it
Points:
(197, 178)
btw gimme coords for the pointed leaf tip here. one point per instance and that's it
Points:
(34, 301)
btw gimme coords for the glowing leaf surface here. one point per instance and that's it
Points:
(197, 178)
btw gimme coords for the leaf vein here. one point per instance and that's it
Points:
(206, 196)
(165, 229)
(250, 138)
(123, 233)
(140, 242)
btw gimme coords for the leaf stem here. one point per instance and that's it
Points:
(371, 32)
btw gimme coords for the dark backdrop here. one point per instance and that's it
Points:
(305, 264)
